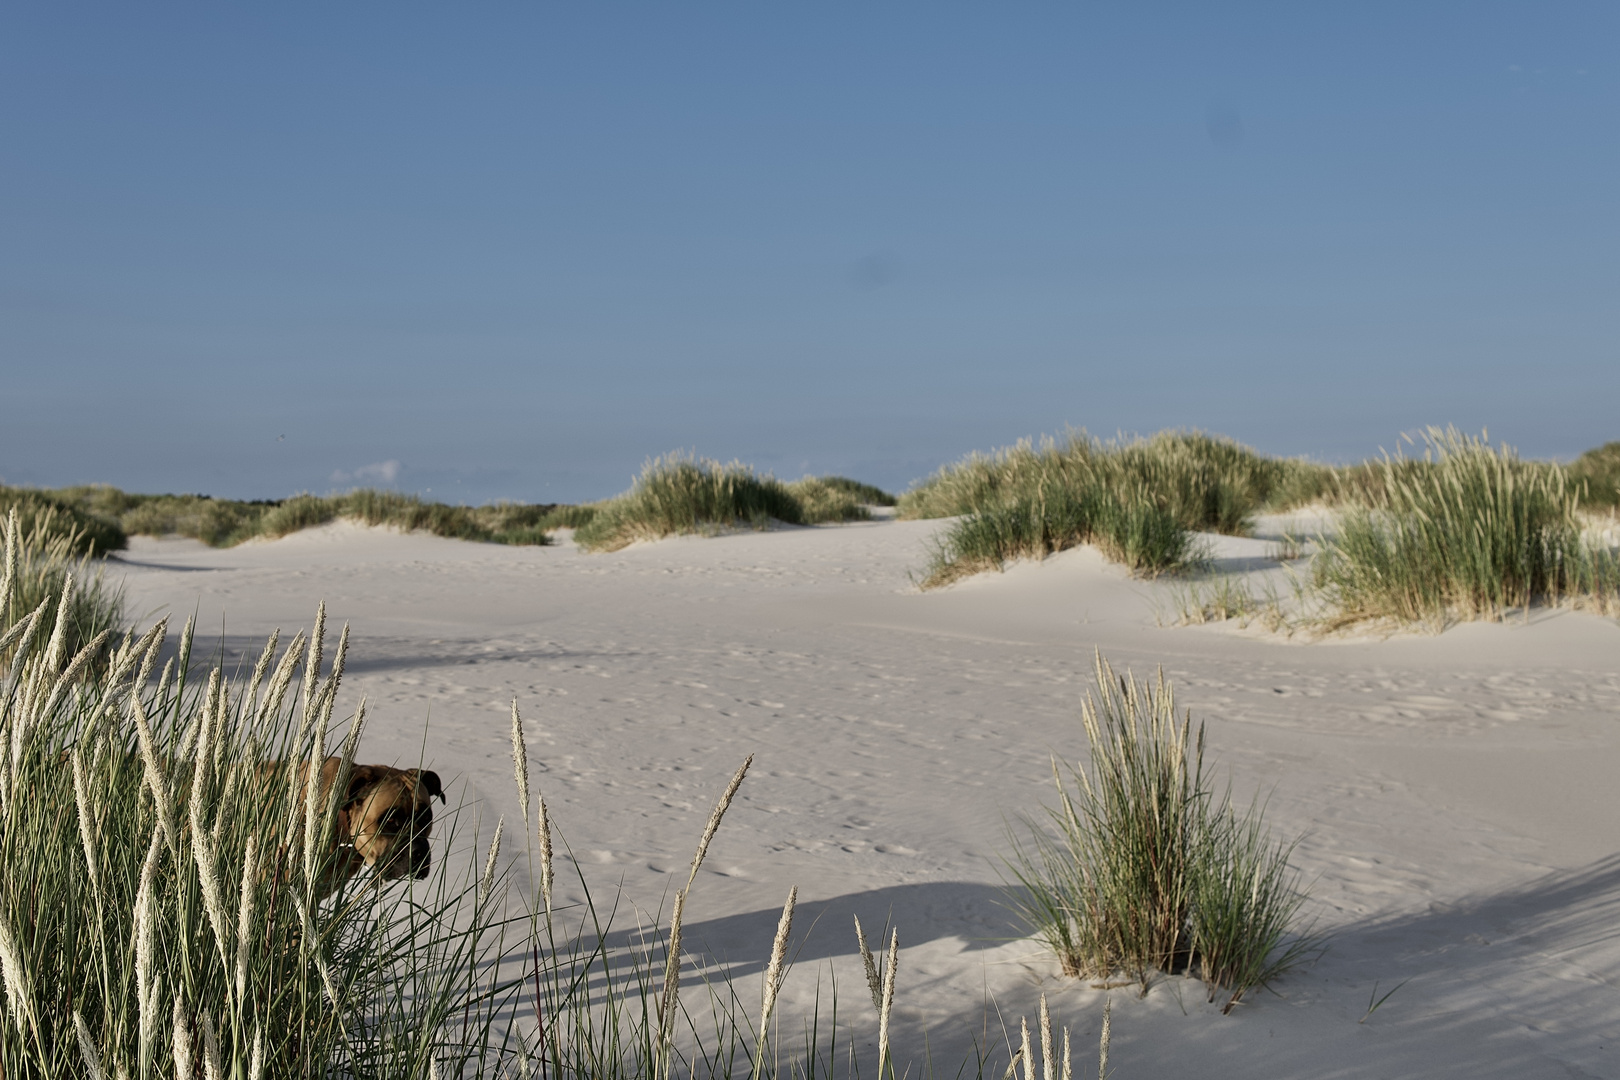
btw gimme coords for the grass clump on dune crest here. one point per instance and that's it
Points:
(1133, 530)
(1467, 532)
(1205, 482)
(1137, 500)
(680, 493)
(1140, 869)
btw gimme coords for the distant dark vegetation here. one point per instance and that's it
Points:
(94, 519)
(106, 515)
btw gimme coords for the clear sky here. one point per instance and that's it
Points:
(509, 251)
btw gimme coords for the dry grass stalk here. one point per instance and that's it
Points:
(773, 977)
(213, 891)
(312, 668)
(256, 1062)
(890, 969)
(670, 1000)
(1048, 1064)
(145, 929)
(154, 775)
(773, 971)
(87, 1047)
(544, 828)
(714, 819)
(317, 822)
(1102, 1043)
(183, 1066)
(281, 680)
(244, 915)
(873, 982)
(259, 669)
(212, 1069)
(312, 949)
(13, 536)
(87, 824)
(494, 856)
(1025, 1052)
(18, 990)
(520, 762)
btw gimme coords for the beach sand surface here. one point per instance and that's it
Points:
(1455, 793)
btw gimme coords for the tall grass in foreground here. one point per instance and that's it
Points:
(49, 549)
(1140, 869)
(679, 493)
(161, 906)
(1470, 532)
(43, 513)
(162, 911)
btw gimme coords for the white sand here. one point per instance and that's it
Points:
(1458, 792)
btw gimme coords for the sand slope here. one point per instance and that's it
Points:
(1457, 792)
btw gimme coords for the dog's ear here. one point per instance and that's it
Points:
(361, 778)
(430, 782)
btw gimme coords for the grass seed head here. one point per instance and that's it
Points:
(87, 1047)
(520, 762)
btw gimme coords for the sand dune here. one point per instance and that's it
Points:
(1456, 792)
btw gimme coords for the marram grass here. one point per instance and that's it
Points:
(1469, 531)
(1139, 501)
(680, 493)
(1139, 869)
(225, 522)
(49, 552)
(160, 913)
(1129, 526)
(1205, 482)
(47, 515)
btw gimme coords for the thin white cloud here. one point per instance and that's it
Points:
(380, 472)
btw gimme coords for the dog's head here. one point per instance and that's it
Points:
(387, 816)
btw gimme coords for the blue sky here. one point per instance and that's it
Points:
(510, 251)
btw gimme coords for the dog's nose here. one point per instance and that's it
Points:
(421, 861)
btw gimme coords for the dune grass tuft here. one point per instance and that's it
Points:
(680, 493)
(1469, 531)
(567, 517)
(1205, 482)
(865, 494)
(1137, 500)
(162, 909)
(823, 499)
(1130, 527)
(1139, 869)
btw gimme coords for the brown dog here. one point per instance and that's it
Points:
(383, 821)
